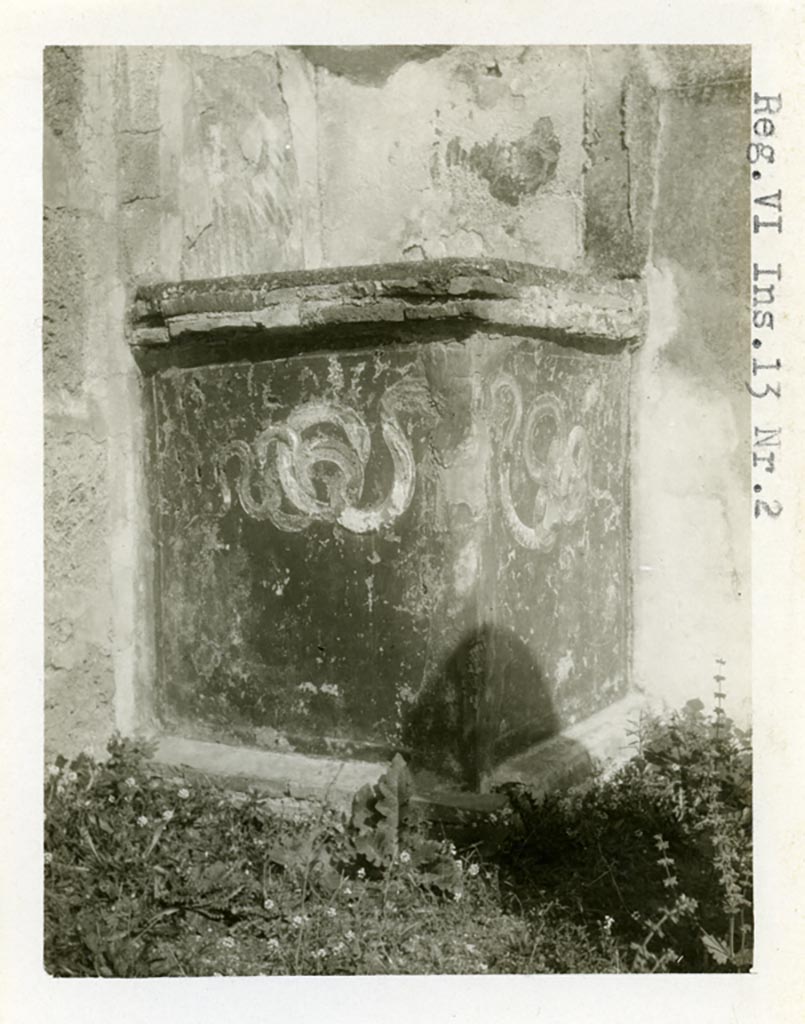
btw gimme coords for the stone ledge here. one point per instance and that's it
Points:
(486, 291)
(278, 775)
(287, 778)
(565, 759)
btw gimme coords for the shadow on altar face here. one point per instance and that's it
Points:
(488, 701)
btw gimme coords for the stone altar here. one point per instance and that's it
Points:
(390, 508)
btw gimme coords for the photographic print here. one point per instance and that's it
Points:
(397, 552)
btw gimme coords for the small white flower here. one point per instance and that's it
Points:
(320, 954)
(167, 815)
(473, 870)
(71, 776)
(347, 890)
(330, 689)
(183, 793)
(268, 904)
(330, 911)
(457, 897)
(349, 935)
(608, 922)
(53, 769)
(405, 857)
(228, 941)
(361, 873)
(142, 821)
(470, 948)
(308, 687)
(273, 943)
(48, 858)
(483, 967)
(111, 798)
(296, 921)
(130, 782)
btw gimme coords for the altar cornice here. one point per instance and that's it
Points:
(491, 292)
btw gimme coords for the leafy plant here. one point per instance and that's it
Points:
(386, 829)
(707, 763)
(383, 817)
(651, 960)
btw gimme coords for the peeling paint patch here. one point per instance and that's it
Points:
(512, 170)
(280, 585)
(465, 570)
(592, 397)
(335, 375)
(564, 668)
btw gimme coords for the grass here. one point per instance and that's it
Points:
(149, 872)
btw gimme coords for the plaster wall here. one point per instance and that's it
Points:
(691, 410)
(158, 164)
(80, 685)
(475, 152)
(165, 164)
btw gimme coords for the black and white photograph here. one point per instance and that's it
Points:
(378, 534)
(409, 415)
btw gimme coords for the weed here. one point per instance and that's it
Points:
(685, 794)
(151, 872)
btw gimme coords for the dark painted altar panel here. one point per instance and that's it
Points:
(299, 563)
(418, 547)
(556, 570)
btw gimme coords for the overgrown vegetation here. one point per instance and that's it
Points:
(660, 850)
(647, 868)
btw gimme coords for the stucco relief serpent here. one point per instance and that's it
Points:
(327, 443)
(562, 475)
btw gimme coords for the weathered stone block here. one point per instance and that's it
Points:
(621, 132)
(379, 533)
